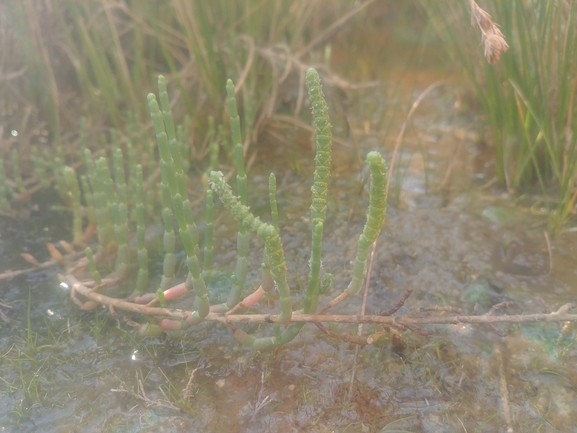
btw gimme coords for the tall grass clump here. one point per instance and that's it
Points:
(98, 58)
(528, 96)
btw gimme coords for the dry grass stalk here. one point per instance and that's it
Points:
(411, 320)
(494, 43)
(140, 394)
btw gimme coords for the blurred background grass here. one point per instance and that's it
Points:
(67, 60)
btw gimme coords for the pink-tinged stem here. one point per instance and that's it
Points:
(175, 291)
(150, 299)
(253, 298)
(249, 301)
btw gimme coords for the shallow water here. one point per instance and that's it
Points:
(452, 241)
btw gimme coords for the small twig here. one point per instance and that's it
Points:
(360, 327)
(417, 330)
(504, 392)
(186, 391)
(496, 331)
(347, 338)
(9, 274)
(398, 305)
(248, 64)
(438, 308)
(404, 127)
(497, 307)
(340, 298)
(408, 320)
(140, 394)
(4, 317)
(262, 401)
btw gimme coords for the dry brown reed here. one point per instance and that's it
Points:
(493, 40)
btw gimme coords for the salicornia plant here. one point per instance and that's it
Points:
(112, 207)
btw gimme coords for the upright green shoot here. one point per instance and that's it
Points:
(320, 186)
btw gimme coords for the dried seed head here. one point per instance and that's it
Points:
(479, 18)
(494, 43)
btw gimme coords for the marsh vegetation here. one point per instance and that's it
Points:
(114, 203)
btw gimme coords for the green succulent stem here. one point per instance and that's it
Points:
(323, 144)
(121, 213)
(142, 252)
(375, 219)
(313, 288)
(99, 180)
(90, 213)
(113, 198)
(272, 200)
(266, 232)
(208, 234)
(39, 167)
(242, 240)
(92, 266)
(172, 173)
(323, 141)
(233, 111)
